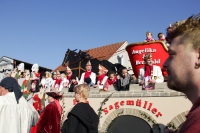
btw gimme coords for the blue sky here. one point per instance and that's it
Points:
(41, 31)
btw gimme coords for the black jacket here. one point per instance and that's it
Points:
(81, 119)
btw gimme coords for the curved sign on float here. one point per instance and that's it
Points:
(136, 52)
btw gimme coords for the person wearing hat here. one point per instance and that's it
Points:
(20, 70)
(35, 78)
(57, 84)
(16, 115)
(82, 118)
(101, 77)
(49, 121)
(88, 77)
(48, 82)
(72, 80)
(149, 74)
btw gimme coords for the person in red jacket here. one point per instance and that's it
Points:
(49, 121)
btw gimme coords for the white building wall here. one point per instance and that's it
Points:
(5, 64)
(123, 54)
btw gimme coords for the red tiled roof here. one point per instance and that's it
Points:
(104, 52)
(60, 68)
(101, 53)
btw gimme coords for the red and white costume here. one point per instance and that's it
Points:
(86, 74)
(102, 78)
(58, 81)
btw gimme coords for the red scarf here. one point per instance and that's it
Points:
(111, 82)
(100, 78)
(69, 77)
(148, 70)
(87, 74)
(58, 81)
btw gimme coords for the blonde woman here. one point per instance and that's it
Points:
(82, 118)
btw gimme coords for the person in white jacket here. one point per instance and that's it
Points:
(102, 77)
(16, 115)
(149, 74)
(88, 75)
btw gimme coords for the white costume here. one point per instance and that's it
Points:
(21, 67)
(157, 74)
(16, 118)
(48, 84)
(92, 75)
(102, 83)
(58, 82)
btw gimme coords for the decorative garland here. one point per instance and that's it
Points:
(150, 119)
(102, 104)
(171, 125)
(63, 111)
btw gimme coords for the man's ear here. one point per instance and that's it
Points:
(199, 54)
(197, 59)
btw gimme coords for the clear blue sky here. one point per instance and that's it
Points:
(41, 31)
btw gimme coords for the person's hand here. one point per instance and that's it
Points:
(142, 82)
(118, 77)
(153, 81)
(166, 130)
(95, 86)
(105, 89)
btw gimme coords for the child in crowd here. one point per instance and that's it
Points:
(149, 36)
(110, 81)
(123, 80)
(82, 118)
(161, 37)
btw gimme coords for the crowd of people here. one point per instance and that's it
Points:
(182, 65)
(19, 116)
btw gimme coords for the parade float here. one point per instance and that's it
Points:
(137, 110)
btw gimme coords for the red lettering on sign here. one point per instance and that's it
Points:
(105, 111)
(110, 107)
(159, 114)
(116, 105)
(145, 104)
(74, 102)
(154, 110)
(138, 102)
(149, 108)
(129, 102)
(122, 103)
